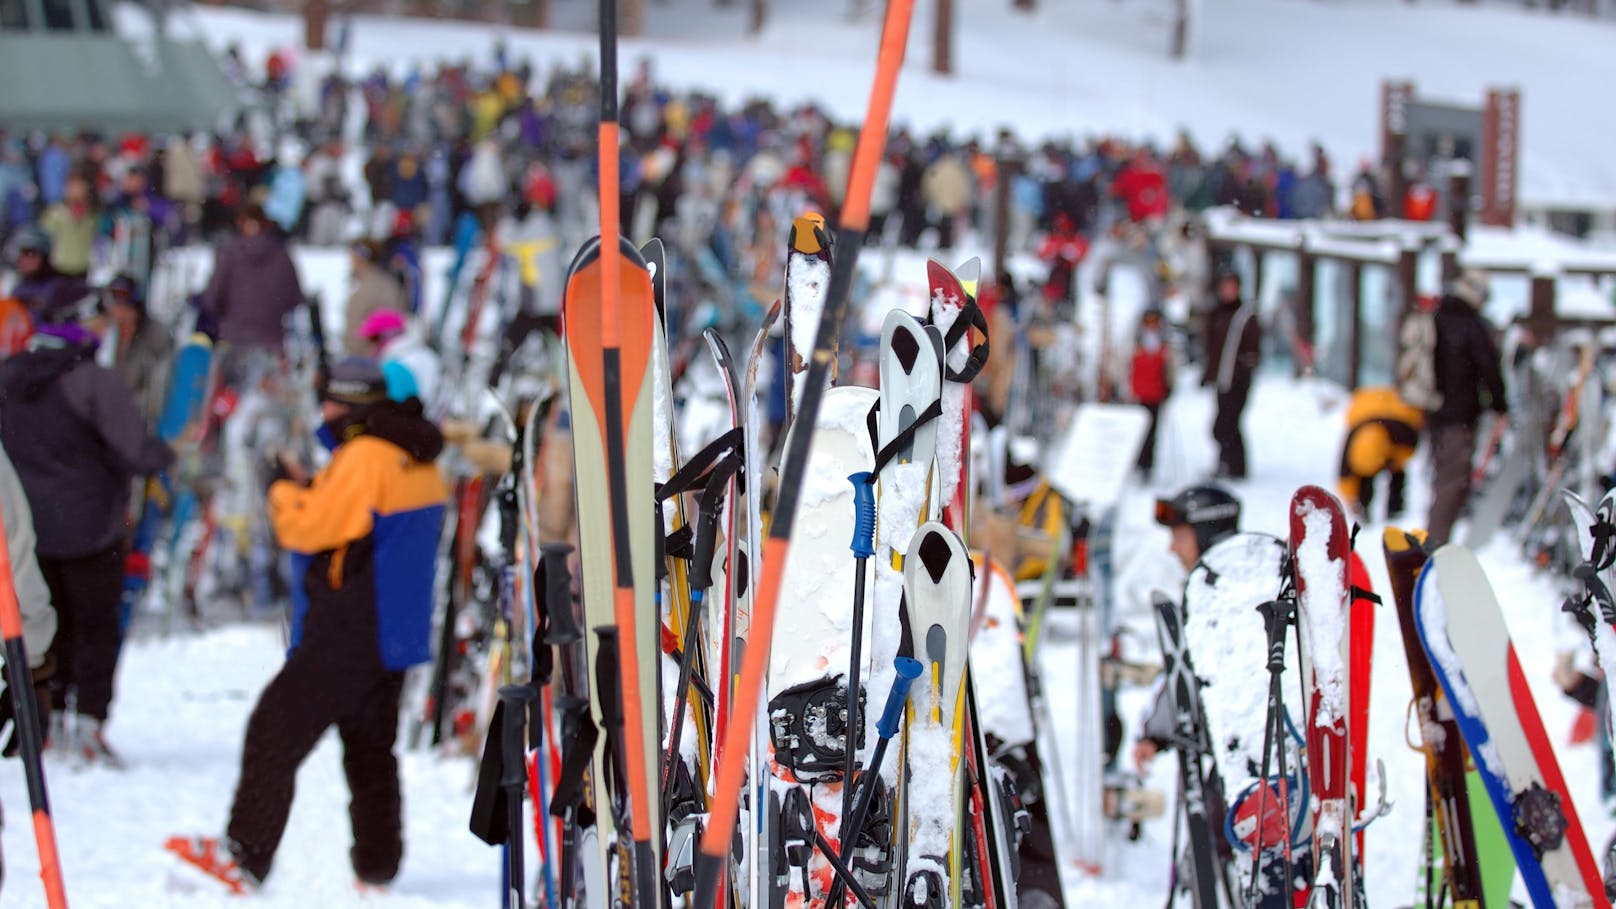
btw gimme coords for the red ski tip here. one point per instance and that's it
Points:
(208, 855)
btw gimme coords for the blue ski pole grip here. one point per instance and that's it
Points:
(863, 514)
(909, 669)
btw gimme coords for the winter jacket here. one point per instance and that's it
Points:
(1233, 345)
(946, 185)
(254, 286)
(1468, 373)
(76, 438)
(367, 530)
(373, 290)
(1150, 374)
(49, 294)
(144, 366)
(411, 367)
(72, 238)
(33, 597)
(1144, 189)
(183, 180)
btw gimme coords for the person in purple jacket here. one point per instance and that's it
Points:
(253, 288)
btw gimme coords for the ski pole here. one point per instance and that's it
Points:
(863, 547)
(562, 632)
(1276, 616)
(28, 733)
(730, 773)
(701, 579)
(908, 669)
(513, 778)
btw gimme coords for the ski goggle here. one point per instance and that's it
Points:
(1168, 514)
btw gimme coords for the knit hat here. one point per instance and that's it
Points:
(1471, 287)
(381, 324)
(355, 380)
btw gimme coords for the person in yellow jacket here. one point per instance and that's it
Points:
(1382, 433)
(366, 533)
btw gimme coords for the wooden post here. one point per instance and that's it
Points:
(1355, 290)
(632, 21)
(1459, 199)
(1541, 316)
(1181, 29)
(1408, 263)
(942, 44)
(315, 14)
(1307, 266)
(759, 15)
(1008, 166)
(1028, 5)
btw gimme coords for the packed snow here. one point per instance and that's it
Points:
(1323, 606)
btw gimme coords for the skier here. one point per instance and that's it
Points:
(1150, 379)
(409, 365)
(77, 439)
(144, 345)
(1198, 517)
(1470, 379)
(1233, 346)
(372, 289)
(45, 291)
(253, 287)
(367, 526)
(1382, 433)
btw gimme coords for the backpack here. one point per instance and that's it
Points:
(1416, 358)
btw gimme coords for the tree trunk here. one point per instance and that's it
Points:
(1181, 28)
(759, 14)
(942, 48)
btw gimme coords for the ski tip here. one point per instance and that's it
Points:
(808, 234)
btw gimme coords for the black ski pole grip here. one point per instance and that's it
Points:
(509, 518)
(606, 679)
(863, 514)
(711, 509)
(513, 741)
(908, 669)
(557, 586)
(1276, 617)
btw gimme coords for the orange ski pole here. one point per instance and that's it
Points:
(28, 732)
(855, 220)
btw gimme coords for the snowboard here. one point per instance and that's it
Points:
(1446, 773)
(1475, 662)
(1225, 635)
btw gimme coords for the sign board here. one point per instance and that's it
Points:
(1394, 101)
(1500, 156)
(1091, 464)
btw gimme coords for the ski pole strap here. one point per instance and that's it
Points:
(1604, 552)
(970, 317)
(1364, 593)
(555, 579)
(709, 511)
(903, 440)
(577, 751)
(695, 469)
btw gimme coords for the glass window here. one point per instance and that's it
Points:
(13, 15)
(58, 15)
(97, 16)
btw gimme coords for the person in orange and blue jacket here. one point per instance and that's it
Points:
(1382, 433)
(367, 529)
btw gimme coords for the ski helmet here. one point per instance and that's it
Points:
(1211, 511)
(29, 238)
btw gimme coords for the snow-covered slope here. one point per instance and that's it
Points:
(1288, 70)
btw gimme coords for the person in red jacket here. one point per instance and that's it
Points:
(1062, 250)
(1143, 188)
(1150, 380)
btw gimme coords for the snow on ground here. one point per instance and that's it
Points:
(183, 702)
(1266, 67)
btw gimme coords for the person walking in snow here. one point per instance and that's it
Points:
(253, 287)
(1233, 347)
(1470, 378)
(1150, 380)
(76, 437)
(144, 349)
(366, 528)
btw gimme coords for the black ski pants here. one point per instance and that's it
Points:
(1226, 430)
(1452, 450)
(334, 677)
(87, 593)
(1147, 449)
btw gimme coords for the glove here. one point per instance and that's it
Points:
(40, 684)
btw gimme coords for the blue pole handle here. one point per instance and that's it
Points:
(909, 669)
(863, 514)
